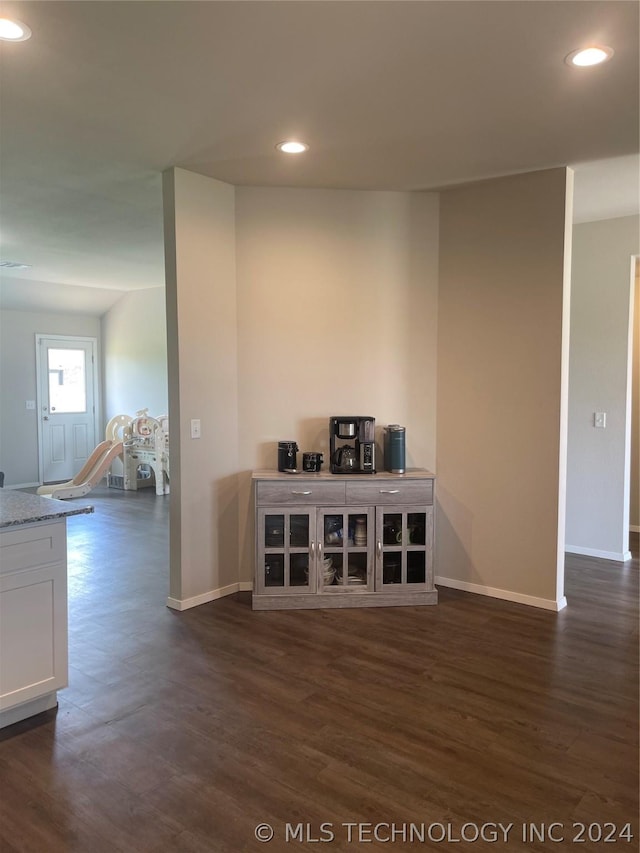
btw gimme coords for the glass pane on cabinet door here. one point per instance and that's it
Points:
(274, 570)
(327, 569)
(356, 570)
(337, 567)
(416, 567)
(392, 567)
(416, 528)
(358, 532)
(299, 570)
(299, 535)
(392, 528)
(274, 531)
(333, 531)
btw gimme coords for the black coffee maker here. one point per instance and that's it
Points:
(352, 445)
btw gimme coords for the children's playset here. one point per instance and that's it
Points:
(142, 445)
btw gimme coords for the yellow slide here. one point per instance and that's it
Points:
(88, 478)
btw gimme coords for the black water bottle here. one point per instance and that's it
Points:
(394, 449)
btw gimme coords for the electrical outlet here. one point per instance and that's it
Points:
(30, 405)
(600, 420)
(195, 427)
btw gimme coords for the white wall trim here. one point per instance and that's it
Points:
(618, 556)
(22, 486)
(212, 595)
(634, 528)
(246, 586)
(504, 594)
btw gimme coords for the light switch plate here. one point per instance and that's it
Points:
(30, 404)
(195, 427)
(600, 420)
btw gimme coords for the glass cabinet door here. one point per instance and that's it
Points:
(404, 548)
(345, 549)
(286, 547)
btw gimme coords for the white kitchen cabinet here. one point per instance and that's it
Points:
(33, 603)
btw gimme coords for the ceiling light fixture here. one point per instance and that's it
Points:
(14, 30)
(587, 56)
(290, 146)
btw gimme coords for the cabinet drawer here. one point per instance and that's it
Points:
(275, 493)
(32, 545)
(384, 492)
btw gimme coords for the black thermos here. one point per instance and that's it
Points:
(287, 455)
(394, 448)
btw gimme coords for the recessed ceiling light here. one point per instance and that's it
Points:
(290, 146)
(14, 30)
(586, 56)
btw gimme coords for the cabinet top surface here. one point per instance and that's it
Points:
(410, 474)
(18, 507)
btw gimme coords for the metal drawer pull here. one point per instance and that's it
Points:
(301, 493)
(313, 549)
(389, 491)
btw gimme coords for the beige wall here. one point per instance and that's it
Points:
(501, 386)
(336, 297)
(202, 356)
(134, 340)
(18, 425)
(600, 381)
(287, 306)
(337, 312)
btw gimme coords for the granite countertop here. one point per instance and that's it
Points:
(18, 507)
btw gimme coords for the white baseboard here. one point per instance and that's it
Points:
(23, 486)
(203, 598)
(478, 589)
(504, 594)
(634, 528)
(617, 556)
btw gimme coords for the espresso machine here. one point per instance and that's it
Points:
(352, 446)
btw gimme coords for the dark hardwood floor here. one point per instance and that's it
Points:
(184, 731)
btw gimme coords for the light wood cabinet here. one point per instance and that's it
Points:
(327, 540)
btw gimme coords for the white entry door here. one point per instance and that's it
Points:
(67, 413)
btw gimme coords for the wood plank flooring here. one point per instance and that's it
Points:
(184, 731)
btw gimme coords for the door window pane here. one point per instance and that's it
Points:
(67, 381)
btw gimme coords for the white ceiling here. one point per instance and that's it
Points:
(389, 95)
